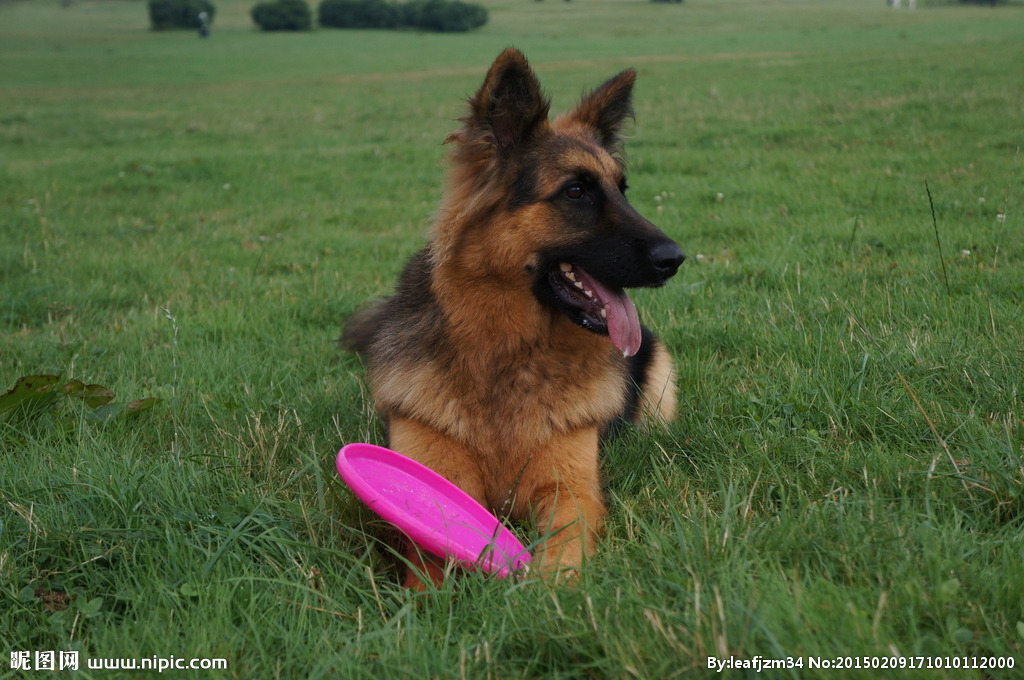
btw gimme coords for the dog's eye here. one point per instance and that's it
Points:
(575, 191)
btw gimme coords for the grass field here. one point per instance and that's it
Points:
(191, 220)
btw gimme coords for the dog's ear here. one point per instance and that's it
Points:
(606, 108)
(508, 108)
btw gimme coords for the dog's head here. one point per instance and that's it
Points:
(551, 195)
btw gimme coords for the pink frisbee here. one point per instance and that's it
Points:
(439, 516)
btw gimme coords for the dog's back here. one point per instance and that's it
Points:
(361, 327)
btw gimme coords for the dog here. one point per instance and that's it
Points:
(510, 348)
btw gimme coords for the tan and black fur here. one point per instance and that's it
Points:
(493, 362)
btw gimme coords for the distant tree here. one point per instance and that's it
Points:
(171, 14)
(283, 15)
(429, 15)
(357, 14)
(444, 16)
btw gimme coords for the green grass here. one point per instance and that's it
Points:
(191, 220)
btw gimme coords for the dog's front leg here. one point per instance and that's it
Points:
(567, 502)
(446, 457)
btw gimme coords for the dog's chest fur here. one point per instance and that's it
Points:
(466, 368)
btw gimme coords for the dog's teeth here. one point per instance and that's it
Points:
(565, 267)
(604, 313)
(579, 284)
(588, 293)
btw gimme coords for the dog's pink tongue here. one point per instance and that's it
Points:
(623, 322)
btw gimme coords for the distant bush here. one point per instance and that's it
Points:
(449, 16)
(169, 14)
(283, 15)
(358, 14)
(410, 13)
(446, 16)
(667, 1)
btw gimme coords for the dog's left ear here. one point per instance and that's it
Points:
(606, 108)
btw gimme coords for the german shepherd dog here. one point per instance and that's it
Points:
(510, 348)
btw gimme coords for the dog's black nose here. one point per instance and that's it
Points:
(666, 258)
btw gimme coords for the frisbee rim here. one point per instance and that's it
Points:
(500, 554)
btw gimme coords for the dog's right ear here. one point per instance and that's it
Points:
(508, 108)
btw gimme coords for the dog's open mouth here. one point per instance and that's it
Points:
(597, 307)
